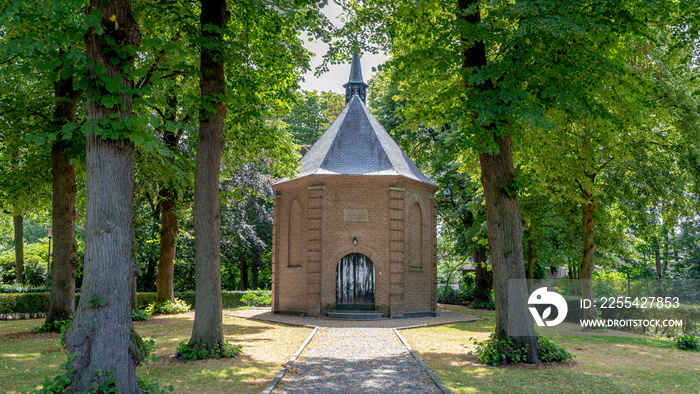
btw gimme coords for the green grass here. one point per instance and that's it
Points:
(606, 361)
(25, 358)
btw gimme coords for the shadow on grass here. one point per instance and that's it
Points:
(241, 374)
(240, 329)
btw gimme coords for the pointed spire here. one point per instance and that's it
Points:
(355, 85)
(355, 69)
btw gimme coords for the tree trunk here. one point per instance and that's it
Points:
(65, 250)
(254, 274)
(165, 290)
(588, 262)
(659, 267)
(483, 282)
(505, 232)
(530, 261)
(134, 299)
(244, 274)
(100, 336)
(168, 238)
(18, 221)
(208, 325)
(135, 270)
(666, 250)
(504, 223)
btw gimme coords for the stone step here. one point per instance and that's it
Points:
(355, 315)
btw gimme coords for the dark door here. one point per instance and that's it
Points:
(354, 283)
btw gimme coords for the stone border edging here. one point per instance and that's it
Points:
(271, 386)
(427, 369)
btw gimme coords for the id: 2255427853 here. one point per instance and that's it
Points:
(636, 302)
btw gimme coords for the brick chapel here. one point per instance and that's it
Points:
(356, 229)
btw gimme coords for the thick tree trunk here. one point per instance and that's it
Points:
(18, 222)
(588, 262)
(504, 223)
(100, 336)
(65, 250)
(168, 238)
(505, 233)
(208, 325)
(484, 277)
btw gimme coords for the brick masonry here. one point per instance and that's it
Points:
(315, 220)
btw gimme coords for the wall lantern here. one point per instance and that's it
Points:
(354, 241)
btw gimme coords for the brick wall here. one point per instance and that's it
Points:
(338, 208)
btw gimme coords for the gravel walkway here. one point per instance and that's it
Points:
(349, 356)
(356, 360)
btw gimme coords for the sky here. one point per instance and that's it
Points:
(338, 74)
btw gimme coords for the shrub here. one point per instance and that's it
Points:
(490, 305)
(55, 326)
(468, 280)
(689, 341)
(167, 307)
(191, 353)
(139, 315)
(448, 295)
(501, 351)
(550, 352)
(35, 255)
(256, 299)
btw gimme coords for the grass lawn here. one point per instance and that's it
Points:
(25, 357)
(606, 361)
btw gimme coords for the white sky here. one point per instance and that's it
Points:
(338, 74)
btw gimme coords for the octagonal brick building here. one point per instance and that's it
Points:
(356, 230)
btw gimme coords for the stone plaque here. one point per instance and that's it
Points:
(355, 215)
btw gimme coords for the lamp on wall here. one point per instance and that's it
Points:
(354, 241)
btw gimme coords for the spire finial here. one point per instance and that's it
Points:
(355, 85)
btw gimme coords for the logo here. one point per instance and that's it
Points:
(543, 297)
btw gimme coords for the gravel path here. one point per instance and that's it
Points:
(349, 356)
(356, 360)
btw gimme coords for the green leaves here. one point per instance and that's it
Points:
(95, 301)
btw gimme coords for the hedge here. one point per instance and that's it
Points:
(16, 288)
(33, 303)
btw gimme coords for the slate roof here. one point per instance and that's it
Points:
(356, 144)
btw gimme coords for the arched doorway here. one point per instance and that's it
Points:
(354, 283)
